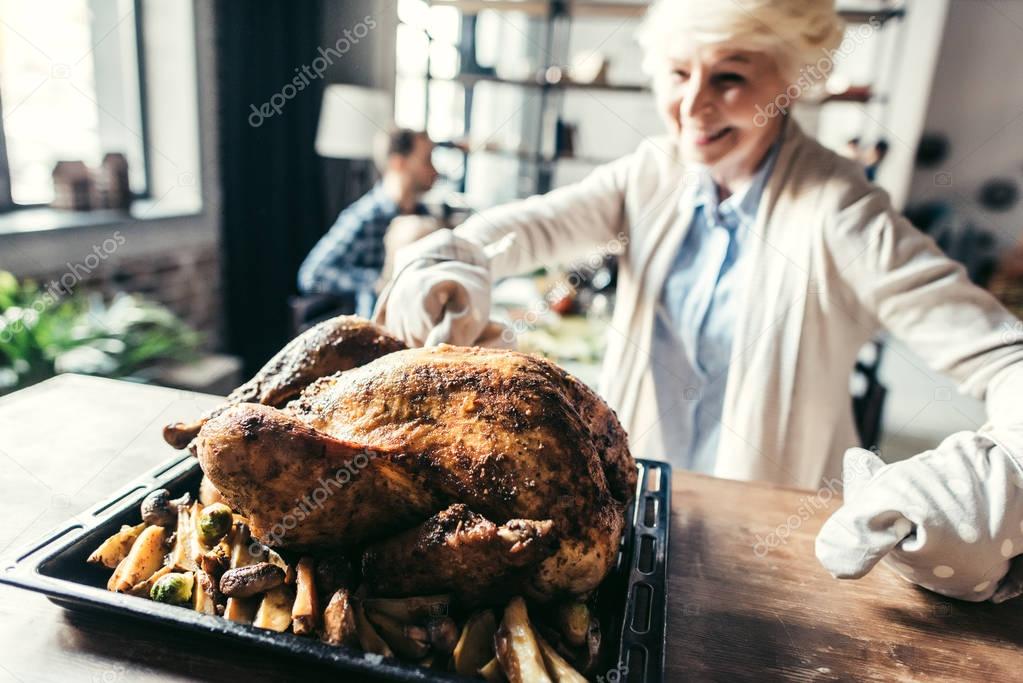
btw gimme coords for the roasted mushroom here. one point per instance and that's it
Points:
(244, 582)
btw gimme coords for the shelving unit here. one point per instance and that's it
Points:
(552, 21)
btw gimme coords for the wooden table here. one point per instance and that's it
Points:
(739, 609)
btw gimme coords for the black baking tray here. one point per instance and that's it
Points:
(632, 600)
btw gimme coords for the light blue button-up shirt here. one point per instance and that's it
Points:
(695, 322)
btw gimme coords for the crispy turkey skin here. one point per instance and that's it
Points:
(433, 459)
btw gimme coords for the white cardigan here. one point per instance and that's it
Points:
(828, 263)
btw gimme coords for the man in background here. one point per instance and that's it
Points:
(347, 262)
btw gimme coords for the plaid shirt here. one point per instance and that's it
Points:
(350, 257)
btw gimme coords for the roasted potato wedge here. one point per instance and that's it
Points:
(517, 648)
(143, 560)
(116, 548)
(339, 625)
(274, 611)
(406, 640)
(142, 588)
(205, 593)
(183, 555)
(560, 670)
(305, 611)
(491, 672)
(475, 647)
(241, 610)
(369, 638)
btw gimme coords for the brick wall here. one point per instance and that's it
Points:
(186, 280)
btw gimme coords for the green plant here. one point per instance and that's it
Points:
(42, 334)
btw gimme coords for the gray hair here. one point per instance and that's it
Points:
(798, 33)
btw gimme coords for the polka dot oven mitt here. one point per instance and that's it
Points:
(950, 520)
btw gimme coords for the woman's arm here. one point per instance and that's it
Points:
(948, 519)
(902, 278)
(558, 227)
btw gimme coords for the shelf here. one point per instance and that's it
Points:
(544, 8)
(473, 79)
(856, 94)
(541, 8)
(852, 16)
(521, 154)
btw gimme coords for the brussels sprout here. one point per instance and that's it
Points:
(173, 589)
(214, 522)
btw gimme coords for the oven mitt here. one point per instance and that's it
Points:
(440, 293)
(948, 520)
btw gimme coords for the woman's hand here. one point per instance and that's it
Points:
(440, 293)
(948, 520)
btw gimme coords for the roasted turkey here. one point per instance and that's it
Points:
(482, 473)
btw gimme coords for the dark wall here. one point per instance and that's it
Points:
(274, 185)
(369, 63)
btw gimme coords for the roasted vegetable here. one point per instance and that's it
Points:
(240, 610)
(274, 611)
(215, 560)
(516, 646)
(305, 611)
(186, 552)
(369, 638)
(157, 508)
(443, 634)
(116, 548)
(272, 556)
(244, 582)
(476, 645)
(560, 670)
(142, 588)
(411, 610)
(143, 560)
(339, 625)
(574, 622)
(205, 593)
(492, 673)
(173, 588)
(214, 522)
(407, 640)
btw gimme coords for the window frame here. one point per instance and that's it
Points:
(7, 203)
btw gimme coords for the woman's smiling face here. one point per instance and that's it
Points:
(710, 97)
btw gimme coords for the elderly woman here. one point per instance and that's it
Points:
(755, 263)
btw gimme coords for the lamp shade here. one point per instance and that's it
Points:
(350, 119)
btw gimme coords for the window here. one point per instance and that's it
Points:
(70, 89)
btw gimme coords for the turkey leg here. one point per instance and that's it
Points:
(335, 345)
(460, 552)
